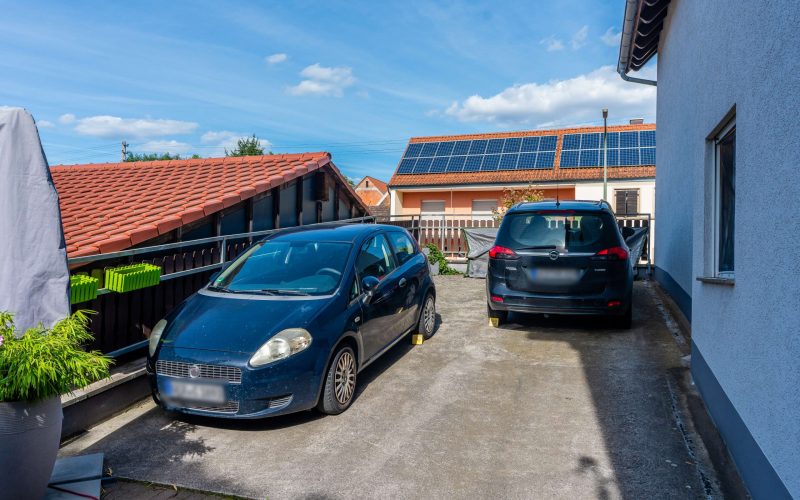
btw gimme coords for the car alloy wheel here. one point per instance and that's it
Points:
(429, 316)
(345, 378)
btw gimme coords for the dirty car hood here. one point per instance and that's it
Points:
(218, 322)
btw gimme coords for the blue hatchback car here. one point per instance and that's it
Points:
(288, 325)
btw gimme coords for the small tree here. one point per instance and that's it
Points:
(151, 157)
(247, 146)
(513, 196)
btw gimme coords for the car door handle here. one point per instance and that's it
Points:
(402, 282)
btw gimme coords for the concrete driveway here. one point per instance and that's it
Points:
(542, 408)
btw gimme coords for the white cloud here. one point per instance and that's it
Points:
(321, 80)
(276, 58)
(171, 146)
(579, 38)
(45, 124)
(611, 37)
(114, 126)
(220, 140)
(561, 102)
(66, 118)
(552, 43)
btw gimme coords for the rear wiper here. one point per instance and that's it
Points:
(539, 247)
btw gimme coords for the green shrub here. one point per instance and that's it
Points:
(436, 255)
(43, 362)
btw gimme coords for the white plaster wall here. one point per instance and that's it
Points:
(716, 54)
(395, 202)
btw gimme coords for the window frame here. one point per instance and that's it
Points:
(432, 215)
(726, 130)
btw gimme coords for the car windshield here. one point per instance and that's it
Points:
(563, 231)
(286, 268)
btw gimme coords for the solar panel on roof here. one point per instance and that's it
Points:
(508, 161)
(545, 159)
(461, 148)
(571, 141)
(413, 150)
(439, 164)
(473, 163)
(529, 144)
(456, 163)
(547, 143)
(512, 145)
(429, 148)
(445, 148)
(478, 147)
(422, 165)
(406, 166)
(647, 138)
(494, 146)
(589, 158)
(648, 156)
(490, 162)
(590, 141)
(623, 149)
(526, 161)
(629, 156)
(629, 139)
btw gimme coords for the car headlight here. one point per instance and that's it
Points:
(155, 335)
(284, 344)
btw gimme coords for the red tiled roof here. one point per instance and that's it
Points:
(377, 183)
(108, 207)
(555, 174)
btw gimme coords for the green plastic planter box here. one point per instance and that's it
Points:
(133, 277)
(82, 288)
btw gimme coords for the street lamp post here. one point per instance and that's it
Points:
(605, 154)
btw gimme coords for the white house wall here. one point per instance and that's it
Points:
(715, 55)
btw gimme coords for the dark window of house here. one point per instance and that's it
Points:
(626, 201)
(726, 154)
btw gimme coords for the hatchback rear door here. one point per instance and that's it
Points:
(559, 252)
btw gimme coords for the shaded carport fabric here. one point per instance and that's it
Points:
(34, 277)
(480, 240)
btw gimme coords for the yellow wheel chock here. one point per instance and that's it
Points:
(417, 339)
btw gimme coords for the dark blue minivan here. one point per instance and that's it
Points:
(288, 325)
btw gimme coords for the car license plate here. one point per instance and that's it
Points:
(194, 392)
(556, 275)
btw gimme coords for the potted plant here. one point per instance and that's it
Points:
(36, 368)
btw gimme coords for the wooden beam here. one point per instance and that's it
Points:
(276, 207)
(298, 200)
(335, 201)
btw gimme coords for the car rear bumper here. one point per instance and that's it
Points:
(287, 387)
(608, 303)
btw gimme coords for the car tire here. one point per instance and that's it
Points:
(426, 326)
(340, 383)
(496, 318)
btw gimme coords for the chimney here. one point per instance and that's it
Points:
(637, 121)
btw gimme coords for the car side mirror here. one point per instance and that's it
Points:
(368, 285)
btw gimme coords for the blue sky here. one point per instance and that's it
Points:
(353, 78)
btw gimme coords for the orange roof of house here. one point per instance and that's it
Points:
(108, 207)
(555, 174)
(371, 197)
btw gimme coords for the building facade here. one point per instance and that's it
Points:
(465, 175)
(728, 210)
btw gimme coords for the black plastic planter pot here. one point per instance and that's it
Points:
(30, 433)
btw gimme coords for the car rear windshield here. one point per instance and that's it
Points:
(286, 268)
(563, 231)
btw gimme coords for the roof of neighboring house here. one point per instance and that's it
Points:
(108, 207)
(372, 194)
(542, 175)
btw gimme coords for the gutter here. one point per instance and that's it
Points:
(629, 23)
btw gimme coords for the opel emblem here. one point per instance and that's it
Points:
(554, 255)
(194, 371)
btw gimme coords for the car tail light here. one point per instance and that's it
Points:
(614, 303)
(497, 298)
(498, 252)
(613, 253)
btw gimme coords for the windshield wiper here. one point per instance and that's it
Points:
(280, 291)
(219, 289)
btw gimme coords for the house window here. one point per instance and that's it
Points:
(725, 200)
(433, 209)
(483, 209)
(626, 201)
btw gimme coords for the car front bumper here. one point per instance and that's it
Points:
(286, 386)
